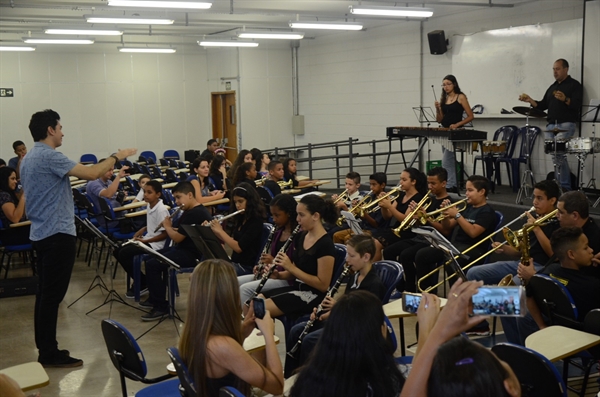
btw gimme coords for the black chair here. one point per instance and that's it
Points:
(126, 355)
(186, 381)
(537, 375)
(525, 151)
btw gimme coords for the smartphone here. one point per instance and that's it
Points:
(259, 307)
(410, 302)
(500, 301)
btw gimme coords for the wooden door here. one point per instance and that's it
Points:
(224, 122)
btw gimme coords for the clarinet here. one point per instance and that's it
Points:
(330, 293)
(267, 274)
(266, 249)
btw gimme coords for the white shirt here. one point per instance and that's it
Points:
(154, 217)
(140, 195)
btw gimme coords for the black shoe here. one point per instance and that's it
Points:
(146, 303)
(60, 360)
(155, 314)
(130, 294)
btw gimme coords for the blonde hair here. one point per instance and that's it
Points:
(213, 309)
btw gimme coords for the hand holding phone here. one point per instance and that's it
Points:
(410, 302)
(259, 307)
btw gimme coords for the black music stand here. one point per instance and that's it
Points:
(112, 296)
(206, 242)
(591, 116)
(424, 115)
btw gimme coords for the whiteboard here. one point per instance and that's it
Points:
(495, 66)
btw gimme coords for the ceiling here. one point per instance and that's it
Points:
(20, 18)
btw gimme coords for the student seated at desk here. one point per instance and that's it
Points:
(245, 173)
(213, 335)
(289, 172)
(275, 175)
(352, 358)
(184, 252)
(361, 250)
(244, 156)
(217, 174)
(571, 248)
(156, 213)
(199, 180)
(141, 183)
(12, 206)
(246, 236)
(104, 187)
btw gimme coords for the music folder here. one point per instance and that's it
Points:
(206, 242)
(352, 222)
(149, 250)
(437, 240)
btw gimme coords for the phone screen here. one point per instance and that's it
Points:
(499, 301)
(259, 308)
(410, 302)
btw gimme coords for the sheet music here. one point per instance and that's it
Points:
(152, 252)
(352, 222)
(592, 111)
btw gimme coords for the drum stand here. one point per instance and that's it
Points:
(592, 183)
(528, 174)
(556, 166)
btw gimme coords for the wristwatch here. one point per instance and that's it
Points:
(115, 157)
(457, 216)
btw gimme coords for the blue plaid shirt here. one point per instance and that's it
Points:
(45, 179)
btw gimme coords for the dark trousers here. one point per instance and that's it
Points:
(157, 274)
(405, 252)
(55, 260)
(308, 344)
(125, 255)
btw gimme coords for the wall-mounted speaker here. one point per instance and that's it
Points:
(437, 42)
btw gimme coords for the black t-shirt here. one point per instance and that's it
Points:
(559, 111)
(452, 112)
(592, 232)
(403, 206)
(194, 216)
(371, 283)
(536, 251)
(273, 187)
(483, 216)
(248, 237)
(584, 290)
(306, 260)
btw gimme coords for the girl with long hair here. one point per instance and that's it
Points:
(245, 173)
(311, 265)
(247, 230)
(263, 171)
(12, 205)
(283, 211)
(217, 174)
(449, 113)
(199, 180)
(213, 335)
(289, 172)
(352, 357)
(244, 156)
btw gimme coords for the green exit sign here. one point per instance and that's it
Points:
(7, 92)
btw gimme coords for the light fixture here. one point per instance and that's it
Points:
(16, 48)
(84, 32)
(128, 20)
(41, 40)
(409, 12)
(150, 50)
(196, 5)
(227, 43)
(268, 34)
(326, 25)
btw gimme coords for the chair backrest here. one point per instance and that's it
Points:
(156, 172)
(145, 169)
(499, 219)
(391, 332)
(89, 204)
(171, 176)
(168, 199)
(530, 134)
(129, 185)
(554, 301)
(537, 375)
(171, 154)
(123, 350)
(88, 158)
(185, 378)
(338, 265)
(135, 169)
(390, 273)
(148, 154)
(106, 208)
(591, 323)
(230, 391)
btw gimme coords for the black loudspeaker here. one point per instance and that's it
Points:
(191, 155)
(437, 42)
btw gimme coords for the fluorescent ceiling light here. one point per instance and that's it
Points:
(36, 40)
(392, 11)
(16, 48)
(197, 5)
(85, 32)
(326, 25)
(169, 50)
(128, 20)
(227, 43)
(246, 34)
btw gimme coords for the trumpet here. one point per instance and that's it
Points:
(222, 218)
(437, 269)
(285, 185)
(330, 293)
(438, 215)
(357, 209)
(261, 181)
(177, 211)
(392, 195)
(409, 220)
(343, 196)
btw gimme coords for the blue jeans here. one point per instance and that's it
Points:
(561, 158)
(492, 273)
(449, 163)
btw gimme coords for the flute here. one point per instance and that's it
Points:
(267, 274)
(266, 249)
(222, 218)
(177, 210)
(330, 293)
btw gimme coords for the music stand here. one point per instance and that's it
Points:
(206, 242)
(352, 222)
(424, 115)
(591, 116)
(112, 296)
(437, 240)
